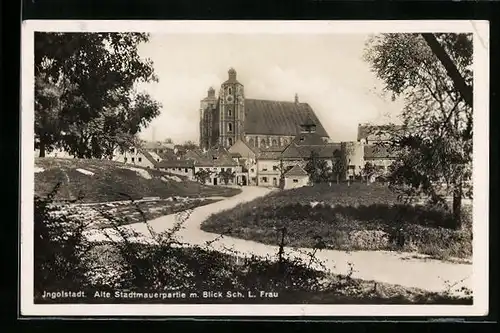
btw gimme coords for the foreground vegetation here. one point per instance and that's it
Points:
(341, 217)
(113, 181)
(65, 260)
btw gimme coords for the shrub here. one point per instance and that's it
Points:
(60, 248)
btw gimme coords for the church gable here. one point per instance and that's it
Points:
(266, 117)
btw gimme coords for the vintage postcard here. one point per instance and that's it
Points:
(254, 168)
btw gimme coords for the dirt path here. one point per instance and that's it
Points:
(383, 266)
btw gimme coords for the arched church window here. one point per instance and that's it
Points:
(230, 127)
(230, 113)
(285, 142)
(263, 143)
(230, 141)
(275, 143)
(230, 91)
(251, 143)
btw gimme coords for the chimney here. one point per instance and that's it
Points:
(296, 99)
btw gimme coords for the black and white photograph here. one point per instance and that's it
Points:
(255, 168)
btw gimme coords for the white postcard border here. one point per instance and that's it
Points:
(480, 29)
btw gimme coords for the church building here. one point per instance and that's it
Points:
(230, 116)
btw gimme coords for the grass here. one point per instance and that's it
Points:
(350, 218)
(112, 181)
(236, 275)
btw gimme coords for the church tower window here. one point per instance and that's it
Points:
(230, 113)
(230, 91)
(230, 127)
(230, 141)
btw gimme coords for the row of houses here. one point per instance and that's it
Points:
(245, 164)
(279, 166)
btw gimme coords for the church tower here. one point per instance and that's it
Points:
(231, 110)
(208, 106)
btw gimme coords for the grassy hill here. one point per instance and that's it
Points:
(104, 180)
(341, 217)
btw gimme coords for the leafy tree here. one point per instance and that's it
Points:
(317, 168)
(202, 175)
(189, 145)
(435, 148)
(338, 168)
(95, 77)
(227, 175)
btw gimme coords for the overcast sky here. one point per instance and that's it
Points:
(326, 71)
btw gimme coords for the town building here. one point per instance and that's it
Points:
(295, 177)
(231, 116)
(136, 156)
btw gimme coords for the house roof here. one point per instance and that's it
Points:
(217, 156)
(378, 152)
(267, 117)
(269, 155)
(181, 163)
(296, 171)
(147, 155)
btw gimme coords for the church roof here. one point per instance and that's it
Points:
(278, 118)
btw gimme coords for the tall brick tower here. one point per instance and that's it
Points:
(208, 106)
(231, 110)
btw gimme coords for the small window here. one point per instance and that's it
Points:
(222, 169)
(295, 180)
(230, 91)
(230, 141)
(140, 159)
(275, 143)
(230, 113)
(125, 160)
(264, 169)
(275, 168)
(252, 170)
(132, 159)
(230, 127)
(264, 179)
(185, 169)
(262, 143)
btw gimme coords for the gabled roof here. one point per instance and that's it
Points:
(296, 171)
(278, 118)
(148, 156)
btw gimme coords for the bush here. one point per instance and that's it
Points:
(60, 248)
(64, 260)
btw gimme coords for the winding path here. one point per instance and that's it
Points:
(382, 266)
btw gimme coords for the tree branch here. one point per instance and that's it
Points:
(459, 82)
